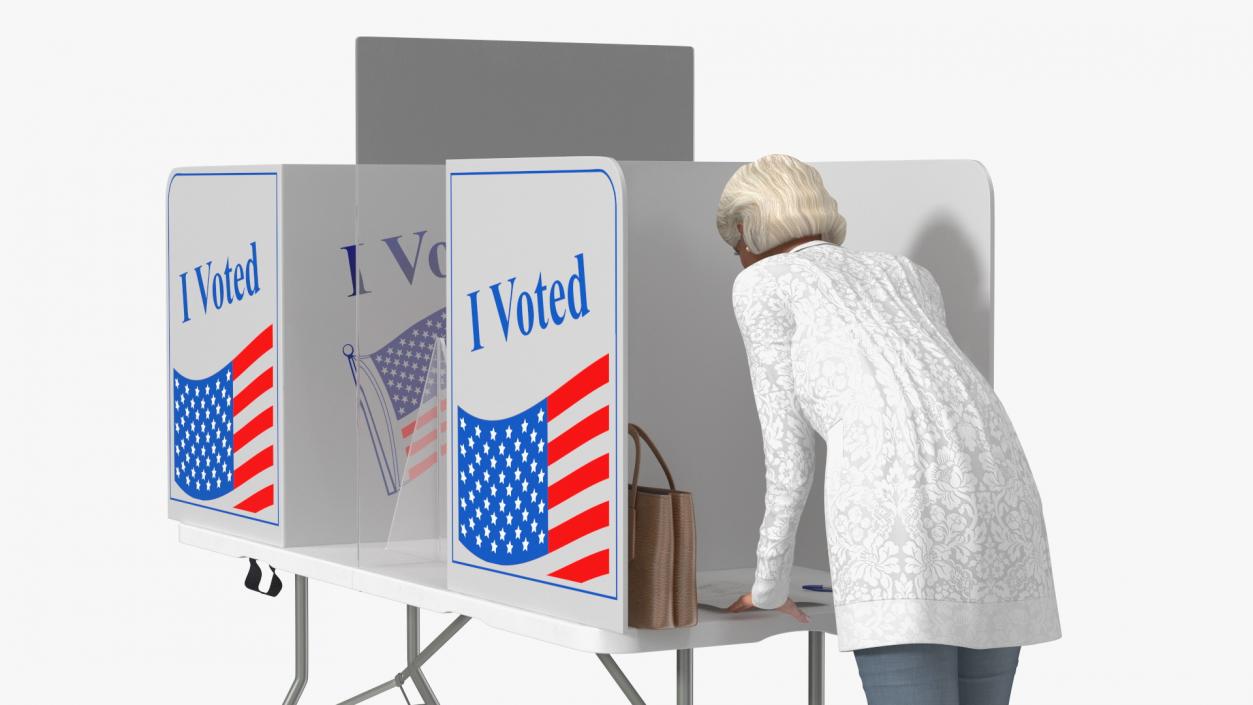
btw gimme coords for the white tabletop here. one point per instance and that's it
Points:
(422, 584)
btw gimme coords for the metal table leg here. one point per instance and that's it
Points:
(683, 677)
(624, 683)
(412, 633)
(817, 667)
(414, 669)
(302, 642)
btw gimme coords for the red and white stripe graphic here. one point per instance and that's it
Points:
(252, 372)
(421, 436)
(579, 493)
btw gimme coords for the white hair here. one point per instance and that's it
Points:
(777, 198)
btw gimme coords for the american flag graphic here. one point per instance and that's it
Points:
(224, 431)
(400, 403)
(533, 488)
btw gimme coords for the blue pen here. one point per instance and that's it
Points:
(817, 588)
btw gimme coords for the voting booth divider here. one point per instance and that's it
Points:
(395, 273)
(254, 331)
(536, 336)
(300, 346)
(431, 367)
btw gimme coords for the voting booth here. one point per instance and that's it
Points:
(414, 379)
(406, 313)
(328, 323)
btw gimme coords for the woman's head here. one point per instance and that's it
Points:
(776, 199)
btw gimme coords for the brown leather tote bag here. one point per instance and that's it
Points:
(662, 565)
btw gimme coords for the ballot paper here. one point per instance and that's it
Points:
(720, 589)
(720, 593)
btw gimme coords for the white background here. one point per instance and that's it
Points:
(1118, 138)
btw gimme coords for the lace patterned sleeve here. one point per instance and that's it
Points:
(931, 289)
(766, 324)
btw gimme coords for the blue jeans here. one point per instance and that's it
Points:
(936, 674)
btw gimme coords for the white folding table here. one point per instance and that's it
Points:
(420, 585)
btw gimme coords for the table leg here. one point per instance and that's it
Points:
(413, 647)
(412, 633)
(683, 677)
(424, 688)
(817, 667)
(414, 669)
(302, 642)
(624, 683)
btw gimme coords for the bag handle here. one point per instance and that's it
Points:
(636, 434)
(635, 474)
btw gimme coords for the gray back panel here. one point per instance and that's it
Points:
(421, 101)
(688, 377)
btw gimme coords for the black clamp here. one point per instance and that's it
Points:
(252, 580)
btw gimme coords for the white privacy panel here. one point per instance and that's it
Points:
(937, 213)
(223, 306)
(536, 395)
(260, 398)
(689, 382)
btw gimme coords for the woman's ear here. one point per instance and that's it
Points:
(746, 257)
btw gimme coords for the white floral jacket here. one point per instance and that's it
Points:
(935, 530)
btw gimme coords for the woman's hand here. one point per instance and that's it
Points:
(745, 603)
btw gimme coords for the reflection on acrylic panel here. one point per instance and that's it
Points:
(398, 408)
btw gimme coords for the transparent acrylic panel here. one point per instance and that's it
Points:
(416, 529)
(397, 269)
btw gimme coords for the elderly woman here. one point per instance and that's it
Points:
(939, 558)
